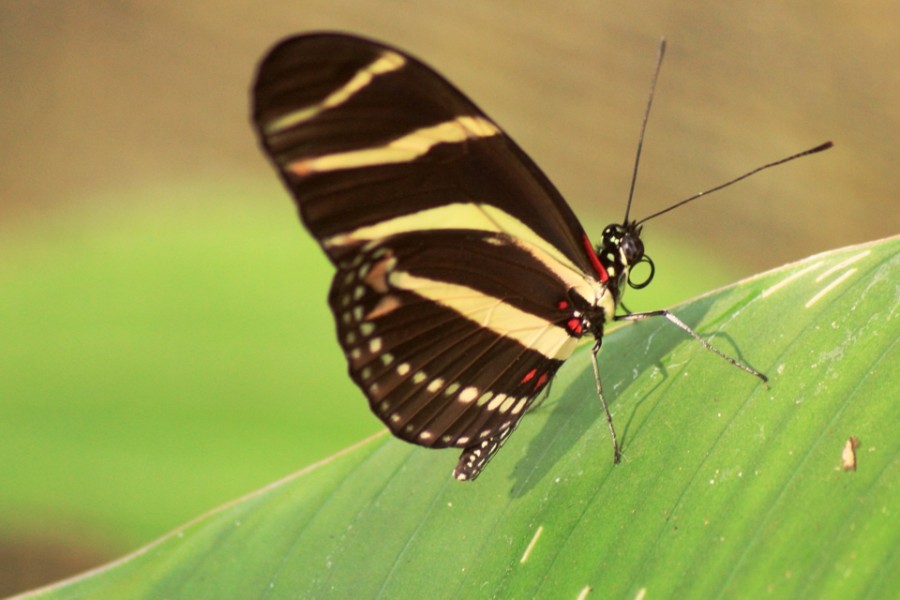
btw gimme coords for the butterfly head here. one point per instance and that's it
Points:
(619, 250)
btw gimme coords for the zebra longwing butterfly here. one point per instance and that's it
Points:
(464, 280)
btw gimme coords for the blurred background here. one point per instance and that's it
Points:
(165, 345)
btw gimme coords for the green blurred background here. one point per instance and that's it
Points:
(164, 340)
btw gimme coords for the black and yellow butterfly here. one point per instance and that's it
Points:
(464, 280)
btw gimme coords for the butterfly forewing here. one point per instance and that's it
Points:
(461, 273)
(364, 134)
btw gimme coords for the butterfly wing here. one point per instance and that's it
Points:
(461, 271)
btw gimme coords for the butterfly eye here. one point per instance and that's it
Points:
(632, 250)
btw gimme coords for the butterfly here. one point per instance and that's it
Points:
(463, 278)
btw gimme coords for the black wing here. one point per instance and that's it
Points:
(461, 270)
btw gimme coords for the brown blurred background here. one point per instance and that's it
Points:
(101, 100)
(100, 96)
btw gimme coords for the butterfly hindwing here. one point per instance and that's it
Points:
(451, 337)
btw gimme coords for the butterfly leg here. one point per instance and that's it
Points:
(617, 455)
(687, 329)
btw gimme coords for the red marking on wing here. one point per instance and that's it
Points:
(574, 325)
(595, 262)
(529, 376)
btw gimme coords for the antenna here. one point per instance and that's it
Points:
(814, 150)
(637, 159)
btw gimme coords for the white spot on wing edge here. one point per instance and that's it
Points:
(507, 404)
(520, 405)
(829, 287)
(531, 544)
(496, 401)
(468, 395)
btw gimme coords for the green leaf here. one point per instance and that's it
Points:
(727, 487)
